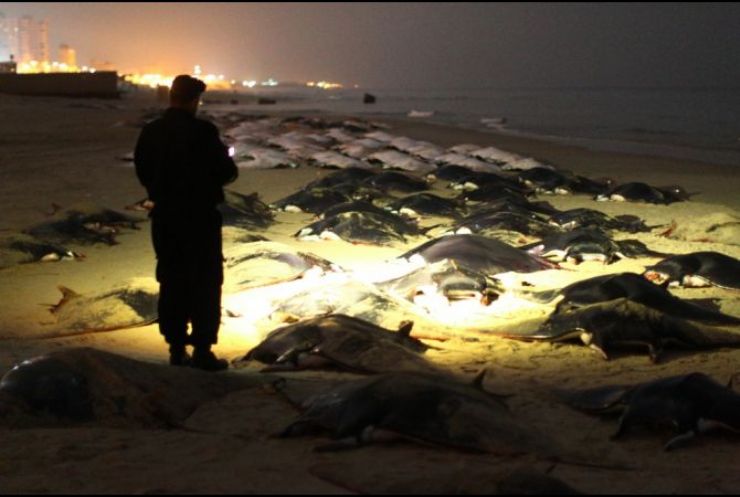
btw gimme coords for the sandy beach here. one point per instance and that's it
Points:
(65, 152)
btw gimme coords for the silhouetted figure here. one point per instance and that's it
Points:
(183, 164)
(368, 98)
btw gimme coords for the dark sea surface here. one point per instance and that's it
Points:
(688, 123)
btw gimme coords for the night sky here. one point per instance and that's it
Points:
(412, 45)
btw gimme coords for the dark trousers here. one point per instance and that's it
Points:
(190, 275)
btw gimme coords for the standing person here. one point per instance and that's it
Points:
(183, 164)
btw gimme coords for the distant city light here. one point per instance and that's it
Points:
(153, 80)
(45, 66)
(324, 85)
(150, 80)
(269, 82)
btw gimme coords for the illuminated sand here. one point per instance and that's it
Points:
(52, 158)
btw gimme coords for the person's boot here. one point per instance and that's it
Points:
(205, 359)
(179, 355)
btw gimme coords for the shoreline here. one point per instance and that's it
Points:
(622, 166)
(700, 142)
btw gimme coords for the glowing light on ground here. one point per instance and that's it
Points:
(472, 312)
(250, 310)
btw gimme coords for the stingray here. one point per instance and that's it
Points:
(588, 245)
(24, 249)
(123, 307)
(342, 342)
(341, 296)
(84, 385)
(360, 148)
(430, 409)
(267, 263)
(353, 174)
(621, 322)
(360, 227)
(464, 148)
(474, 180)
(339, 135)
(91, 226)
(495, 155)
(143, 205)
(464, 162)
(393, 180)
(391, 159)
(403, 143)
(581, 184)
(357, 190)
(358, 151)
(356, 126)
(253, 157)
(696, 269)
(314, 200)
(292, 141)
(426, 151)
(635, 288)
(427, 204)
(505, 225)
(514, 204)
(106, 217)
(494, 193)
(353, 206)
(689, 404)
(546, 180)
(524, 163)
(320, 140)
(590, 218)
(478, 253)
(447, 279)
(524, 209)
(243, 237)
(337, 161)
(245, 211)
(312, 122)
(642, 192)
(453, 173)
(380, 136)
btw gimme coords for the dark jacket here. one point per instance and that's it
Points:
(182, 163)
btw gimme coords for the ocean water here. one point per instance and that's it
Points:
(698, 123)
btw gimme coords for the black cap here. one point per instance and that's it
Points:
(186, 88)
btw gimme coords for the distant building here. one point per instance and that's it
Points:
(25, 29)
(24, 38)
(9, 67)
(8, 37)
(67, 55)
(40, 41)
